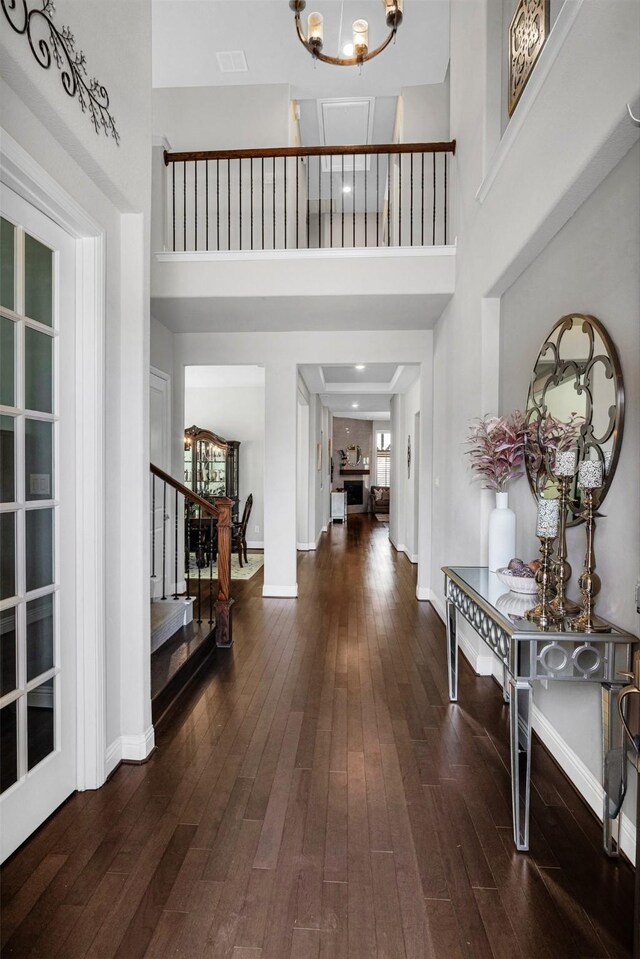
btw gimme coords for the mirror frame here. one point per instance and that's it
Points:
(613, 371)
(358, 451)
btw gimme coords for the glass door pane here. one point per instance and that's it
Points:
(38, 281)
(7, 362)
(7, 264)
(27, 486)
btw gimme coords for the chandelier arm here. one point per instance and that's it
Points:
(341, 61)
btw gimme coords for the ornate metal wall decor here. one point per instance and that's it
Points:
(50, 44)
(527, 35)
(578, 371)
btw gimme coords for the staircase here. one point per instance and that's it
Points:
(191, 605)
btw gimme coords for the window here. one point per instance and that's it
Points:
(383, 459)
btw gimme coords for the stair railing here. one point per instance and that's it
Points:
(283, 198)
(196, 511)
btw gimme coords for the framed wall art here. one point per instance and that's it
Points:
(528, 34)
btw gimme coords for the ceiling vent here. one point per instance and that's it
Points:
(232, 61)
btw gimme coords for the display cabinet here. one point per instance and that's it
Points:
(212, 465)
(205, 463)
(233, 476)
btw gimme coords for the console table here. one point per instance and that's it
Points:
(529, 653)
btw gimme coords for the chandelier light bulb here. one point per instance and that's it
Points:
(394, 12)
(315, 32)
(360, 38)
(348, 49)
(346, 188)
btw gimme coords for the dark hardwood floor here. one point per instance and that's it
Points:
(316, 797)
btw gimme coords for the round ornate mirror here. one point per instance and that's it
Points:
(354, 456)
(578, 374)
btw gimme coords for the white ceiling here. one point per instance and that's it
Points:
(187, 34)
(246, 314)
(360, 394)
(219, 377)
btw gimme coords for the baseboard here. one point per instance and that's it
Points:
(324, 528)
(424, 593)
(304, 547)
(319, 536)
(129, 749)
(255, 544)
(480, 662)
(437, 604)
(582, 778)
(285, 592)
(113, 757)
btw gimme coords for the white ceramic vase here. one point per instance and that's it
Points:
(502, 533)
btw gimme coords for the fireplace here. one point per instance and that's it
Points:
(354, 490)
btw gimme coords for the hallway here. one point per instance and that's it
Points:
(318, 798)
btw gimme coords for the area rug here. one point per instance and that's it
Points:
(382, 517)
(249, 569)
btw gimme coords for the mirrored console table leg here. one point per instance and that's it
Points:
(505, 683)
(520, 703)
(614, 767)
(452, 652)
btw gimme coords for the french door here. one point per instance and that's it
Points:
(37, 519)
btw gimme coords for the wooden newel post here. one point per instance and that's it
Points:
(224, 636)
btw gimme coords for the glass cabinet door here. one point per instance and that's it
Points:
(205, 463)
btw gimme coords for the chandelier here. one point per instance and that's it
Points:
(358, 50)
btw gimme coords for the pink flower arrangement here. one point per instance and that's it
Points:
(547, 436)
(496, 449)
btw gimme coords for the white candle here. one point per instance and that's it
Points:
(566, 462)
(590, 474)
(548, 518)
(314, 28)
(360, 37)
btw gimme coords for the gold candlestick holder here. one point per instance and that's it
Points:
(560, 605)
(542, 614)
(589, 581)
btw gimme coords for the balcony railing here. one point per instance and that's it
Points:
(309, 197)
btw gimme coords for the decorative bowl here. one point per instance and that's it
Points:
(515, 605)
(518, 584)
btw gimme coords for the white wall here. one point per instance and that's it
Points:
(580, 271)
(504, 222)
(161, 347)
(236, 414)
(404, 508)
(424, 113)
(222, 118)
(111, 183)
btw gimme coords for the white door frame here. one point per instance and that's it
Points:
(165, 464)
(21, 173)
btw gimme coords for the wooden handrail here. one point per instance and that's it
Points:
(221, 510)
(211, 508)
(394, 148)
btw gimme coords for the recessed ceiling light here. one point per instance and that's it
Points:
(346, 188)
(354, 406)
(360, 366)
(347, 50)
